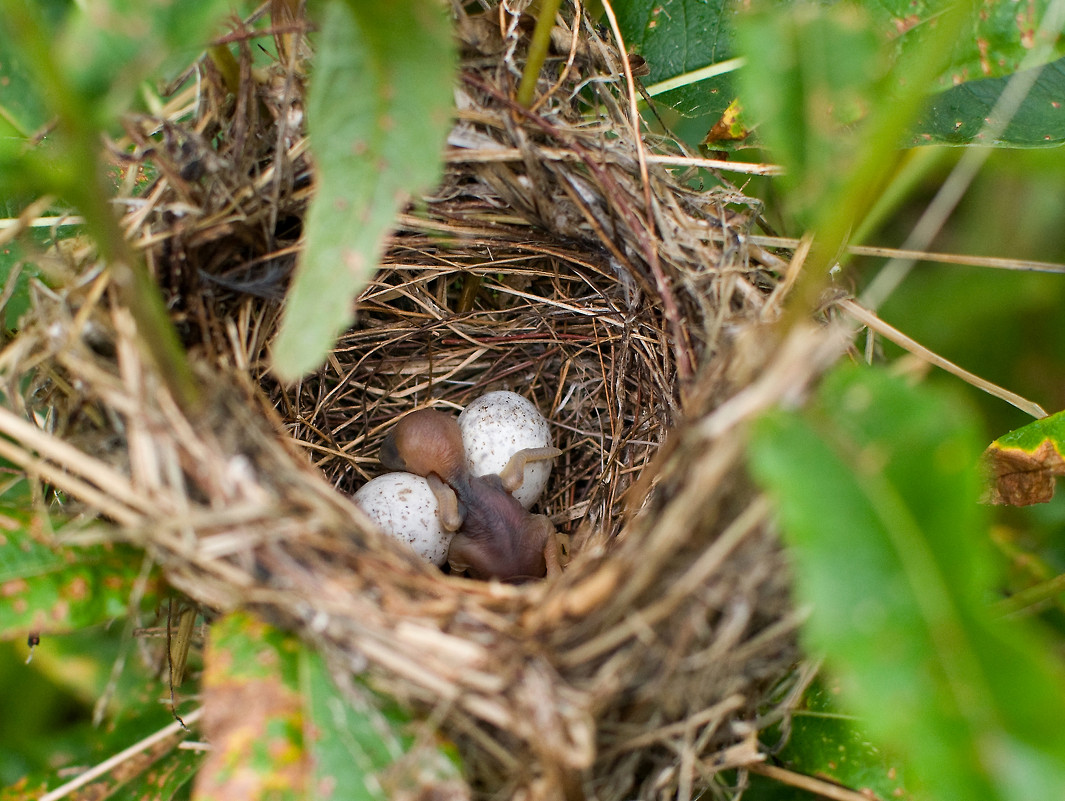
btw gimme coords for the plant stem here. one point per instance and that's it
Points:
(538, 47)
(79, 177)
(227, 66)
(875, 161)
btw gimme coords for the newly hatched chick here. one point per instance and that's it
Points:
(424, 442)
(497, 537)
(429, 443)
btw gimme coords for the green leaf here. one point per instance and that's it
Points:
(829, 744)
(348, 751)
(276, 720)
(995, 40)
(1033, 436)
(877, 489)
(54, 589)
(958, 115)
(253, 713)
(1025, 462)
(361, 743)
(679, 37)
(378, 114)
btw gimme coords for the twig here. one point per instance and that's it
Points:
(28, 218)
(702, 74)
(962, 259)
(870, 320)
(669, 303)
(72, 459)
(462, 155)
(744, 167)
(775, 302)
(82, 490)
(1030, 599)
(105, 766)
(574, 40)
(811, 785)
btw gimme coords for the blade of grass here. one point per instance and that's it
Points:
(75, 172)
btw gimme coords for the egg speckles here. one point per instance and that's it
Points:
(404, 507)
(498, 425)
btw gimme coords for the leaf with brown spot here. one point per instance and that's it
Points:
(25, 789)
(45, 588)
(253, 714)
(729, 128)
(279, 728)
(364, 747)
(156, 773)
(1024, 463)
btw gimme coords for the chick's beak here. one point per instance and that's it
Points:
(390, 456)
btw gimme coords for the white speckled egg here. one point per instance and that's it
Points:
(403, 505)
(498, 425)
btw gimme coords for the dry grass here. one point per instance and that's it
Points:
(556, 260)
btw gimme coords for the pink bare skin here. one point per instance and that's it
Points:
(497, 538)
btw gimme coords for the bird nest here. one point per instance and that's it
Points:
(561, 258)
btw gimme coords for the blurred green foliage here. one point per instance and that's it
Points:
(818, 118)
(38, 723)
(813, 74)
(47, 725)
(1000, 324)
(877, 486)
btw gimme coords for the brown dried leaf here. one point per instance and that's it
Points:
(1021, 478)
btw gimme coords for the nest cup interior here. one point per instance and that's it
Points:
(534, 268)
(552, 330)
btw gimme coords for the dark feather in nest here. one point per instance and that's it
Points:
(552, 260)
